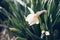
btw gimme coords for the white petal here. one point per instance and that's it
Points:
(37, 22)
(31, 24)
(47, 33)
(32, 19)
(31, 11)
(43, 32)
(29, 17)
(40, 12)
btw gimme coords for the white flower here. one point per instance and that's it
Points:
(0, 7)
(43, 32)
(47, 33)
(33, 17)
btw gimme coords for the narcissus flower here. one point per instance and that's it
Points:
(33, 17)
(45, 32)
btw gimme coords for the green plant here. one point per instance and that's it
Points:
(22, 29)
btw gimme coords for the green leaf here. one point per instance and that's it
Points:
(31, 34)
(20, 38)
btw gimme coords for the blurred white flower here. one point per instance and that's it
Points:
(47, 33)
(33, 17)
(43, 32)
(0, 7)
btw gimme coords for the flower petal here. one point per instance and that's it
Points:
(43, 31)
(40, 12)
(47, 33)
(37, 22)
(29, 17)
(31, 11)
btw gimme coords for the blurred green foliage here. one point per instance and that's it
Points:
(22, 30)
